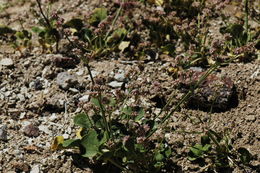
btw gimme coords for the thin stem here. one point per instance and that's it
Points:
(246, 17)
(116, 164)
(49, 25)
(42, 13)
(114, 21)
(83, 59)
(103, 113)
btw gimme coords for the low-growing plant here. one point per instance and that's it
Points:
(48, 33)
(218, 147)
(123, 138)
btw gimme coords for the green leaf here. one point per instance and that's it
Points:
(112, 102)
(105, 138)
(82, 120)
(95, 101)
(86, 34)
(140, 114)
(98, 121)
(91, 144)
(24, 34)
(74, 23)
(245, 155)
(98, 15)
(127, 110)
(192, 158)
(71, 143)
(159, 157)
(37, 29)
(168, 152)
(116, 36)
(197, 150)
(206, 147)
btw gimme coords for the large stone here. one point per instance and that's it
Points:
(215, 93)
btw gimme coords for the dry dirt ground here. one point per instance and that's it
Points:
(34, 109)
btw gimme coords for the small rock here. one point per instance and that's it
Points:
(198, 69)
(31, 130)
(55, 103)
(94, 73)
(74, 90)
(38, 84)
(120, 77)
(115, 84)
(65, 136)
(6, 62)
(66, 80)
(21, 97)
(22, 115)
(250, 118)
(80, 72)
(53, 117)
(8, 93)
(84, 98)
(45, 129)
(35, 169)
(21, 167)
(3, 133)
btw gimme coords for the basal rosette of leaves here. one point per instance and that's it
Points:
(120, 140)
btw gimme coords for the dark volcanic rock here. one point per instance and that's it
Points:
(215, 93)
(31, 130)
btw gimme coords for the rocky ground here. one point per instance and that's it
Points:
(39, 95)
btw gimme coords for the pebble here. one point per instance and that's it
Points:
(115, 84)
(66, 80)
(198, 69)
(21, 97)
(45, 129)
(53, 117)
(3, 133)
(31, 130)
(120, 77)
(2, 96)
(6, 62)
(250, 118)
(94, 73)
(74, 90)
(35, 169)
(65, 136)
(80, 72)
(22, 115)
(84, 98)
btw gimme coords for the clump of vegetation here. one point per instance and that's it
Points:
(113, 131)
(218, 148)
